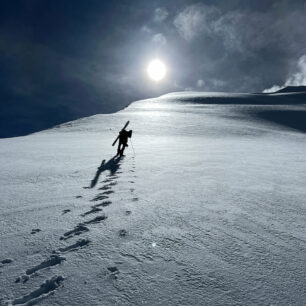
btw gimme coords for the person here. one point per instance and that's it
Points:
(123, 141)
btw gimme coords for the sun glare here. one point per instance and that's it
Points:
(156, 70)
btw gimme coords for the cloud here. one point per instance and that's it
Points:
(250, 46)
(238, 30)
(160, 14)
(159, 39)
(274, 88)
(146, 29)
(200, 83)
(194, 20)
(297, 78)
(227, 27)
(243, 30)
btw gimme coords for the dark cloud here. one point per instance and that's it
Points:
(62, 60)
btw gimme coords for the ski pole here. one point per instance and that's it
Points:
(133, 147)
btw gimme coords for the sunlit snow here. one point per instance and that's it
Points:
(208, 209)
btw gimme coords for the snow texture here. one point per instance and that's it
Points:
(206, 208)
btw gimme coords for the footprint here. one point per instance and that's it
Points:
(35, 230)
(104, 204)
(94, 210)
(105, 188)
(80, 243)
(132, 182)
(113, 269)
(23, 279)
(114, 272)
(108, 192)
(135, 199)
(122, 233)
(78, 230)
(6, 261)
(99, 197)
(46, 289)
(107, 181)
(52, 261)
(112, 177)
(96, 220)
(78, 197)
(128, 212)
(65, 211)
(81, 228)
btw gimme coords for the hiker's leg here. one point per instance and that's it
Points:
(122, 150)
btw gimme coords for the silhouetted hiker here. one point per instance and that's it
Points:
(123, 139)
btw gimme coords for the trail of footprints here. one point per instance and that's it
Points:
(57, 257)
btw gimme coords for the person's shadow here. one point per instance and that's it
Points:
(112, 166)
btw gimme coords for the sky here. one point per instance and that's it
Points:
(62, 60)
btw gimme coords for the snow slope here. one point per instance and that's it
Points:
(208, 209)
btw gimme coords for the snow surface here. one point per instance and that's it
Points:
(207, 207)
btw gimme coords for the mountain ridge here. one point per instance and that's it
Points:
(289, 89)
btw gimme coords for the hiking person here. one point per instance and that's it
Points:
(123, 140)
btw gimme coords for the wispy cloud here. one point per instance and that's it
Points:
(274, 88)
(299, 77)
(146, 29)
(160, 14)
(247, 47)
(194, 20)
(159, 39)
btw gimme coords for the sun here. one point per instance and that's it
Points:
(156, 70)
